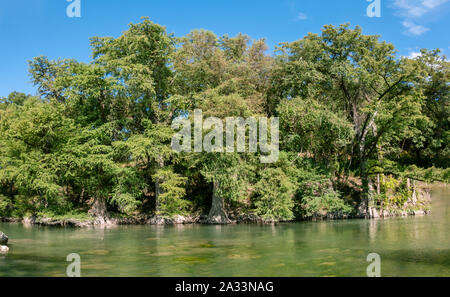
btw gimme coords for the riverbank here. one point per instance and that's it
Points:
(188, 220)
(131, 220)
(410, 246)
(418, 204)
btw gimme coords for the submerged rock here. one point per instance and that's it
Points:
(3, 238)
(176, 220)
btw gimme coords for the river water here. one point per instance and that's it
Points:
(413, 246)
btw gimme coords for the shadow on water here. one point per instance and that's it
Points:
(439, 257)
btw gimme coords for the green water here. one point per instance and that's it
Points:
(415, 246)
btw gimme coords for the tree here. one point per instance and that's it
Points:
(140, 59)
(354, 74)
(32, 135)
(274, 195)
(431, 148)
(97, 137)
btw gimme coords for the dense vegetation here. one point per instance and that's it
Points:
(97, 138)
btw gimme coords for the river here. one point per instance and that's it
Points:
(413, 246)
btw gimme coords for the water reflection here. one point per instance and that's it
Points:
(415, 246)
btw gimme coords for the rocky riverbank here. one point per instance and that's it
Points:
(71, 222)
(187, 220)
(137, 220)
(417, 204)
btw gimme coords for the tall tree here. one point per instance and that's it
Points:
(356, 74)
(140, 59)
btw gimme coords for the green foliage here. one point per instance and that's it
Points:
(97, 138)
(329, 203)
(5, 206)
(274, 196)
(128, 187)
(232, 172)
(430, 175)
(69, 215)
(394, 191)
(172, 200)
(315, 195)
(309, 126)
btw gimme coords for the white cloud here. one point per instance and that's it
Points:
(408, 9)
(417, 8)
(412, 12)
(433, 3)
(413, 55)
(414, 29)
(301, 16)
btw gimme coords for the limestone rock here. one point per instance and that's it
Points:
(3, 238)
(3, 249)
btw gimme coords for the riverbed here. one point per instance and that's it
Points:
(412, 246)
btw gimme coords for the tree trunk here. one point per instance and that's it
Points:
(373, 213)
(11, 188)
(378, 185)
(365, 189)
(98, 210)
(158, 190)
(217, 214)
(414, 194)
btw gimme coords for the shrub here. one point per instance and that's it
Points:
(328, 203)
(171, 200)
(5, 204)
(274, 193)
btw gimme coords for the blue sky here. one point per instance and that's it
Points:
(30, 28)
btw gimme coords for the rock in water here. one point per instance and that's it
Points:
(4, 249)
(3, 238)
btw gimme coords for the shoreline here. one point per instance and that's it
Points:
(413, 207)
(185, 220)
